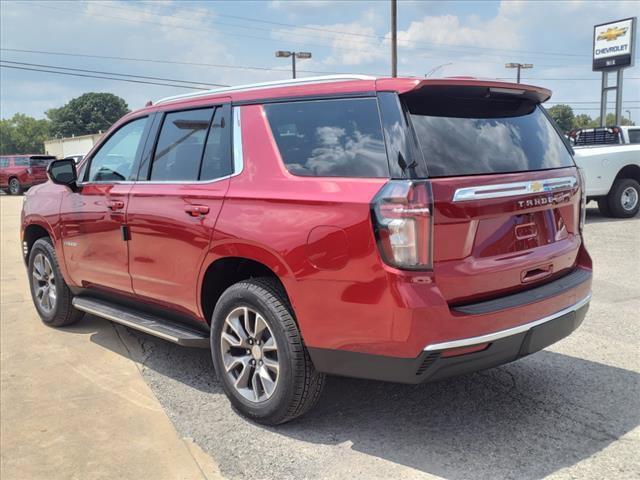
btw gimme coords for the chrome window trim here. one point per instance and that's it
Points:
(237, 155)
(491, 337)
(514, 189)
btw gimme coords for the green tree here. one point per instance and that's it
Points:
(583, 121)
(89, 113)
(563, 115)
(611, 120)
(23, 134)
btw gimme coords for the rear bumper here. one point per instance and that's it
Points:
(503, 346)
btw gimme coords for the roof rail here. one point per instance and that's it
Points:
(277, 83)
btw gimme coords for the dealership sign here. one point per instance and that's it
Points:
(613, 44)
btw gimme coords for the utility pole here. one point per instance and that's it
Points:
(518, 66)
(293, 55)
(629, 113)
(394, 38)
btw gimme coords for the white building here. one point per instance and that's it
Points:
(65, 147)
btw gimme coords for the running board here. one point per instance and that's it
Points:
(156, 326)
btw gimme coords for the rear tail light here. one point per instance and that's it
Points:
(583, 199)
(403, 222)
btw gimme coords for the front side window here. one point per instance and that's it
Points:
(332, 138)
(20, 162)
(116, 157)
(180, 145)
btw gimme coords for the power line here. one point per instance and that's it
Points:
(343, 33)
(113, 73)
(240, 67)
(595, 101)
(98, 76)
(273, 39)
(174, 62)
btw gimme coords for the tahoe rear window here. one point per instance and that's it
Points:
(470, 135)
(330, 138)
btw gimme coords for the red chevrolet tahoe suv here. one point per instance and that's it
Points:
(396, 229)
(19, 172)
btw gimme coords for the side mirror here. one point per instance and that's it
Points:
(63, 172)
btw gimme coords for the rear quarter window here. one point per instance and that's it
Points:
(330, 138)
(634, 135)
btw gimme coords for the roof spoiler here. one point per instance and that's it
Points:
(491, 87)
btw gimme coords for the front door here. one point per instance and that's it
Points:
(92, 219)
(174, 205)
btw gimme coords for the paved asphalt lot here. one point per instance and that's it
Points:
(571, 411)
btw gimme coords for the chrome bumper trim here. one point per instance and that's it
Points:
(491, 337)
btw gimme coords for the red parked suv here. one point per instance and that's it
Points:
(397, 229)
(19, 172)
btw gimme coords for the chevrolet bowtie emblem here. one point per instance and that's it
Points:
(612, 33)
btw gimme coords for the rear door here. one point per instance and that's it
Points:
(505, 191)
(38, 167)
(174, 205)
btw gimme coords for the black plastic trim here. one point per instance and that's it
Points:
(535, 294)
(430, 366)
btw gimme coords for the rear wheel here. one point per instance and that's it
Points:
(51, 296)
(259, 356)
(624, 198)
(14, 186)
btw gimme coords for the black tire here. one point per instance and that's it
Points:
(298, 385)
(603, 206)
(14, 186)
(62, 312)
(615, 198)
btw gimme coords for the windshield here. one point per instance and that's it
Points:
(486, 140)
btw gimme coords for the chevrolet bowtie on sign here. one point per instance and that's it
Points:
(612, 33)
(613, 45)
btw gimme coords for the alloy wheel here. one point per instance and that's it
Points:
(14, 186)
(250, 354)
(629, 198)
(44, 283)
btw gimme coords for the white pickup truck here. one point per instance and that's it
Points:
(610, 160)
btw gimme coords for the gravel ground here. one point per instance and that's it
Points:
(571, 411)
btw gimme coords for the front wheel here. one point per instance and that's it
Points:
(259, 356)
(624, 198)
(51, 296)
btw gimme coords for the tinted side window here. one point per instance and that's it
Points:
(334, 138)
(180, 145)
(20, 162)
(216, 161)
(634, 135)
(114, 161)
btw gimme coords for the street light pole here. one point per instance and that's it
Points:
(394, 38)
(518, 66)
(293, 55)
(629, 113)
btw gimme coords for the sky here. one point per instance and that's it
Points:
(232, 43)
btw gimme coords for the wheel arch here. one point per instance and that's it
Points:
(629, 171)
(231, 263)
